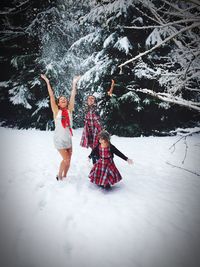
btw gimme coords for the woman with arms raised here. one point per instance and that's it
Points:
(62, 113)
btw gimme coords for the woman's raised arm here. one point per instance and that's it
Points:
(54, 106)
(73, 93)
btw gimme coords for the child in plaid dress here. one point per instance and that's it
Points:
(92, 126)
(104, 172)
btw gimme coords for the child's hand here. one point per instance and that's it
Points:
(44, 77)
(130, 161)
(88, 163)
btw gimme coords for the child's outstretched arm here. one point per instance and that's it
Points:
(121, 155)
(110, 91)
(130, 161)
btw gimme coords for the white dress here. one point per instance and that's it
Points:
(62, 136)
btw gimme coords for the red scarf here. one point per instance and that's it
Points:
(65, 120)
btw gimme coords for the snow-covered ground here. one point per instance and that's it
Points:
(150, 219)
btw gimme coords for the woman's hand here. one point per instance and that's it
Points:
(76, 79)
(44, 77)
(73, 93)
(130, 161)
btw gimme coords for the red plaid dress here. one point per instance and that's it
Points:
(91, 130)
(104, 170)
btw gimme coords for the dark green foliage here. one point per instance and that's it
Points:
(67, 38)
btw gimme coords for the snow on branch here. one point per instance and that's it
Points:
(104, 10)
(20, 95)
(194, 25)
(186, 131)
(171, 99)
(123, 44)
(163, 25)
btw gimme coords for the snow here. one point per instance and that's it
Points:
(150, 219)
(109, 40)
(170, 99)
(20, 95)
(4, 84)
(106, 8)
(156, 35)
(44, 103)
(131, 96)
(99, 69)
(186, 131)
(92, 37)
(123, 44)
(143, 70)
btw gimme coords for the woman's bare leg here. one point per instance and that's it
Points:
(65, 163)
(61, 169)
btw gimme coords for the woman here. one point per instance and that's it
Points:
(62, 113)
(92, 126)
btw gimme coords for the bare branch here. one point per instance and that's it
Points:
(185, 133)
(171, 5)
(158, 18)
(163, 25)
(144, 14)
(192, 89)
(174, 147)
(196, 2)
(187, 69)
(17, 9)
(195, 173)
(186, 149)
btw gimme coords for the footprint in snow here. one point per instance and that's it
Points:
(68, 220)
(42, 204)
(67, 248)
(39, 186)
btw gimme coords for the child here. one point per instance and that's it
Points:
(92, 126)
(104, 172)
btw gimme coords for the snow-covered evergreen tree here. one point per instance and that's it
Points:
(149, 48)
